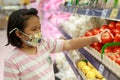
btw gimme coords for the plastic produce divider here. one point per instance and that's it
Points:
(109, 44)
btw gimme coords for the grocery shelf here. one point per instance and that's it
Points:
(109, 69)
(109, 64)
(111, 14)
(73, 67)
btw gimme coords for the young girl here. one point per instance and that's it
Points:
(30, 60)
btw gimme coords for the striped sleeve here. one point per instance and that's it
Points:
(10, 71)
(55, 45)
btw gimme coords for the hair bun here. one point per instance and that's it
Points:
(32, 11)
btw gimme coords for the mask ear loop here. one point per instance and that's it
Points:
(26, 34)
(13, 30)
(19, 31)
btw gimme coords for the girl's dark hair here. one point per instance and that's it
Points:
(18, 20)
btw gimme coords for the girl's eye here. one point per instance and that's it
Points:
(34, 29)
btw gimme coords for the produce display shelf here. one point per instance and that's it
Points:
(110, 67)
(109, 70)
(73, 67)
(111, 14)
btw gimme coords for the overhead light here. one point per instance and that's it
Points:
(11, 7)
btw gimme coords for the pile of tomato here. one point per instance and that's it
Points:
(113, 35)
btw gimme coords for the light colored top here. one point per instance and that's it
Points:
(22, 66)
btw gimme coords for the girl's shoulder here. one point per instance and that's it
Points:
(13, 54)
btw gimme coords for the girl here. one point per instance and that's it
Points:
(30, 60)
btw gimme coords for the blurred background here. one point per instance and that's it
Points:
(7, 6)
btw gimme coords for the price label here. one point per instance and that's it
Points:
(101, 68)
(114, 13)
(104, 13)
(87, 11)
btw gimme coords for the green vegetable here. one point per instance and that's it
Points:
(115, 3)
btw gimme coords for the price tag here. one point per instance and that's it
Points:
(87, 11)
(114, 13)
(104, 13)
(101, 68)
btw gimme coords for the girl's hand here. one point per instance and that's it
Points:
(98, 36)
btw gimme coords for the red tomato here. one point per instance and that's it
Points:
(97, 46)
(103, 28)
(117, 38)
(89, 33)
(95, 31)
(117, 56)
(108, 50)
(111, 31)
(111, 25)
(112, 57)
(117, 60)
(116, 31)
(116, 49)
(118, 25)
(107, 37)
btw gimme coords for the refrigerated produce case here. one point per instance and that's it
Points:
(108, 68)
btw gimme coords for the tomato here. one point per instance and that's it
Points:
(107, 37)
(95, 31)
(111, 25)
(118, 25)
(117, 56)
(116, 31)
(116, 49)
(117, 38)
(112, 57)
(111, 31)
(117, 60)
(97, 46)
(108, 50)
(103, 28)
(89, 33)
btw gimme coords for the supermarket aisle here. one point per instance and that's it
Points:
(4, 50)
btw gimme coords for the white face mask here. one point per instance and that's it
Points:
(34, 40)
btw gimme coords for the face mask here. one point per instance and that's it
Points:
(34, 40)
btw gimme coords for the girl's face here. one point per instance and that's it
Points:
(33, 26)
